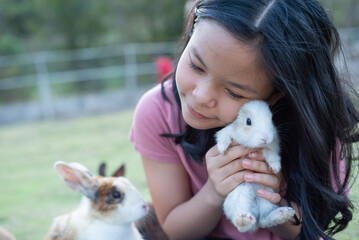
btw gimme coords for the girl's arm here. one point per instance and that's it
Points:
(184, 216)
(181, 215)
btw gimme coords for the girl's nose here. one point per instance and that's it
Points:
(205, 94)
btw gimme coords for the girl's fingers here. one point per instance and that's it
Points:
(233, 180)
(273, 197)
(231, 168)
(270, 181)
(215, 159)
(257, 155)
(256, 165)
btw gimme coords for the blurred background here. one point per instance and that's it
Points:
(62, 58)
(71, 72)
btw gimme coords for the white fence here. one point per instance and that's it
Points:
(129, 67)
(47, 107)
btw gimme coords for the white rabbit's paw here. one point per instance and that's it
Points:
(275, 166)
(244, 222)
(222, 147)
(223, 139)
(277, 216)
(284, 214)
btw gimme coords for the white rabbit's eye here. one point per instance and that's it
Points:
(249, 122)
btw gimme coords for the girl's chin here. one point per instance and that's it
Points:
(200, 124)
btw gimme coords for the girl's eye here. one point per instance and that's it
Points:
(194, 66)
(233, 95)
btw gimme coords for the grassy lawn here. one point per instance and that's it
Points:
(31, 193)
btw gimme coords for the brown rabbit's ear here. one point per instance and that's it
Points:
(102, 169)
(120, 172)
(77, 179)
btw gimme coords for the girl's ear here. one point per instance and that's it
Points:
(275, 97)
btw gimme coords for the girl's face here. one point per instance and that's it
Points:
(216, 75)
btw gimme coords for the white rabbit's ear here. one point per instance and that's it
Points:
(77, 179)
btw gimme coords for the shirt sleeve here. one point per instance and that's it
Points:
(341, 169)
(341, 172)
(151, 119)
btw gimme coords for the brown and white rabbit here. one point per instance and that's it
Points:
(113, 205)
(5, 235)
(253, 128)
(148, 226)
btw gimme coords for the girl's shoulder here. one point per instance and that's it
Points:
(155, 116)
(153, 99)
(154, 109)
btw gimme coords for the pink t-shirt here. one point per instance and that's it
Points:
(155, 116)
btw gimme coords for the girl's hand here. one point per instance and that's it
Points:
(262, 173)
(239, 164)
(225, 171)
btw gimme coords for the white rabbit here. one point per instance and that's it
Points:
(253, 128)
(113, 205)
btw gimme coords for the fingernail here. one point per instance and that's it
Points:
(253, 155)
(249, 177)
(246, 163)
(260, 192)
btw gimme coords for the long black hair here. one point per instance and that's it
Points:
(297, 43)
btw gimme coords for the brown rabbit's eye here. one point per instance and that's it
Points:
(116, 194)
(249, 122)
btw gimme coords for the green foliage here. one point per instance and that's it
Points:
(79, 23)
(67, 24)
(9, 44)
(344, 13)
(32, 25)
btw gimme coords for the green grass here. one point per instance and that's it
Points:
(32, 194)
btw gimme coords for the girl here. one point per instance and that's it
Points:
(236, 51)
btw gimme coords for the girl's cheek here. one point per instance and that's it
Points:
(226, 115)
(184, 79)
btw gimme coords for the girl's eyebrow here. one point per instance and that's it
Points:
(198, 56)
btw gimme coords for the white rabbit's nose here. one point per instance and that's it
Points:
(264, 140)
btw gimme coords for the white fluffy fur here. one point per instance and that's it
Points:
(246, 210)
(95, 218)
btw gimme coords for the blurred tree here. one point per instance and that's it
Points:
(343, 13)
(18, 21)
(30, 25)
(352, 10)
(79, 23)
(41, 24)
(141, 21)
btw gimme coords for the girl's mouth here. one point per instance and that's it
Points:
(194, 113)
